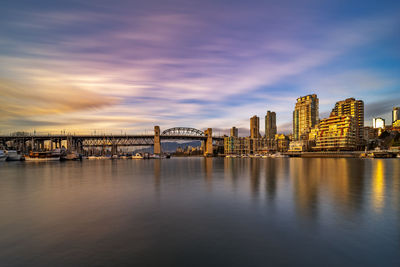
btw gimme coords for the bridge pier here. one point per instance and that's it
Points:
(208, 143)
(114, 149)
(157, 142)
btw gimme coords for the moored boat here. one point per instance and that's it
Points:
(137, 156)
(13, 155)
(42, 156)
(3, 155)
(71, 156)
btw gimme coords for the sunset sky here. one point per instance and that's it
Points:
(129, 65)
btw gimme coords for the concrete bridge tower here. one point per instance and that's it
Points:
(209, 143)
(157, 142)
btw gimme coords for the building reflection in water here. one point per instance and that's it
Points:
(305, 175)
(255, 177)
(271, 178)
(396, 187)
(355, 179)
(378, 185)
(232, 169)
(344, 179)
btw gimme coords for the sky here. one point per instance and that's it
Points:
(125, 66)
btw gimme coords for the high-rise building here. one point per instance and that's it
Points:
(354, 108)
(395, 114)
(336, 133)
(234, 132)
(378, 123)
(305, 116)
(270, 125)
(254, 127)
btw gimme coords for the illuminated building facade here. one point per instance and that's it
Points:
(282, 142)
(395, 114)
(305, 116)
(354, 108)
(255, 127)
(270, 125)
(247, 145)
(337, 133)
(378, 123)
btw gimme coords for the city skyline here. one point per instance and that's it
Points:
(87, 66)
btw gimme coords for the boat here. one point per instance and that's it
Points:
(137, 156)
(71, 156)
(99, 157)
(43, 156)
(3, 155)
(278, 155)
(13, 155)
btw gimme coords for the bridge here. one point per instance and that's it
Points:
(79, 142)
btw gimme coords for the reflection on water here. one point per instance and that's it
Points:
(378, 186)
(200, 212)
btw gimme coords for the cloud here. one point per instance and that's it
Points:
(178, 66)
(19, 100)
(381, 109)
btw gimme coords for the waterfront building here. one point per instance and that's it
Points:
(395, 114)
(313, 134)
(354, 108)
(378, 123)
(247, 145)
(337, 133)
(370, 133)
(254, 127)
(270, 125)
(298, 146)
(282, 142)
(233, 145)
(234, 132)
(305, 116)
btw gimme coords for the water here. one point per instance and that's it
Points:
(201, 212)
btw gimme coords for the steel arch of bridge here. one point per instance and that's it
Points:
(183, 131)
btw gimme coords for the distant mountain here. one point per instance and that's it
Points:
(170, 147)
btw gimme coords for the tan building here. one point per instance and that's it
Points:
(370, 133)
(255, 127)
(298, 146)
(354, 108)
(234, 145)
(313, 134)
(247, 145)
(305, 116)
(396, 115)
(337, 133)
(270, 125)
(234, 131)
(282, 142)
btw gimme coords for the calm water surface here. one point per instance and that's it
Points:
(201, 212)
